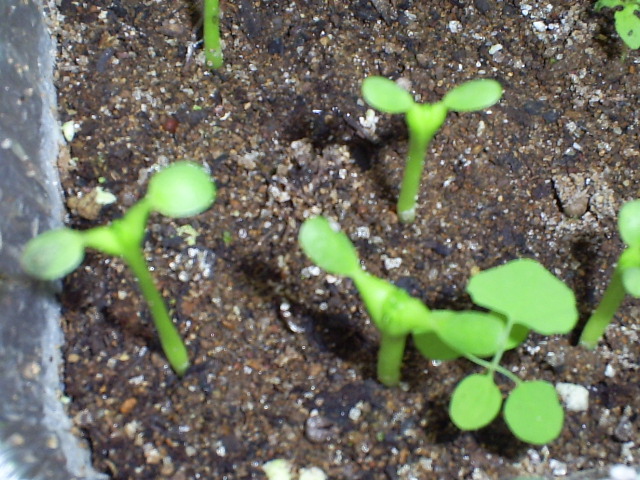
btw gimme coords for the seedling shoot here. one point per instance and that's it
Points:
(519, 296)
(625, 278)
(423, 121)
(181, 190)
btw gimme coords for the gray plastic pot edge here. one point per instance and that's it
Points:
(35, 433)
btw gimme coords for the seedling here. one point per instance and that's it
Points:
(511, 293)
(211, 33)
(625, 278)
(423, 121)
(626, 21)
(180, 190)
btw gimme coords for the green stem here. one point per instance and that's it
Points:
(390, 358)
(211, 33)
(418, 144)
(602, 316)
(491, 367)
(170, 340)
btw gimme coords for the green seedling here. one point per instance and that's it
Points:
(626, 21)
(520, 296)
(211, 33)
(423, 121)
(625, 278)
(181, 190)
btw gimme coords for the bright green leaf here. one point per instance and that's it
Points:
(629, 223)
(527, 293)
(628, 25)
(53, 254)
(631, 281)
(470, 332)
(433, 348)
(181, 190)
(385, 95)
(533, 412)
(475, 402)
(473, 95)
(330, 250)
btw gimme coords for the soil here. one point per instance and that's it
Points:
(284, 355)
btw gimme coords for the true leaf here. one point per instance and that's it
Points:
(330, 250)
(385, 95)
(53, 254)
(473, 95)
(628, 25)
(528, 294)
(533, 412)
(475, 402)
(181, 190)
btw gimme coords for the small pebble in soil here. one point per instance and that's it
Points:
(319, 429)
(575, 397)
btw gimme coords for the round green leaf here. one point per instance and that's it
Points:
(474, 95)
(533, 412)
(475, 402)
(629, 223)
(528, 294)
(631, 281)
(53, 254)
(181, 190)
(385, 95)
(330, 250)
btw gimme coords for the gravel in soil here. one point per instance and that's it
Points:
(283, 355)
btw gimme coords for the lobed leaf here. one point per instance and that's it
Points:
(475, 402)
(330, 250)
(53, 254)
(629, 223)
(386, 96)
(473, 95)
(524, 291)
(533, 412)
(180, 190)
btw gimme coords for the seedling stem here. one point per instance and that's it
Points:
(211, 33)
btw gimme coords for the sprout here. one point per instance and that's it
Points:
(625, 278)
(423, 122)
(520, 296)
(180, 190)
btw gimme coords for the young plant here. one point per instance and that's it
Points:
(211, 33)
(511, 293)
(626, 21)
(423, 121)
(181, 190)
(625, 278)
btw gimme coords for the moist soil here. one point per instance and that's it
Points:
(284, 355)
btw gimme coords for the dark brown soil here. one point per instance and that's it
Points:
(283, 356)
